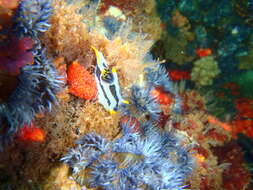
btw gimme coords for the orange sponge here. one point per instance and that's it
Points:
(81, 83)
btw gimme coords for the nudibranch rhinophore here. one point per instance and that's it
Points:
(109, 94)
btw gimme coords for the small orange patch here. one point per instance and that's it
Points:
(81, 83)
(31, 134)
(162, 25)
(215, 121)
(163, 97)
(179, 75)
(203, 52)
(244, 126)
(200, 158)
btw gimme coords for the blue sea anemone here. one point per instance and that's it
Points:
(31, 18)
(35, 93)
(39, 82)
(157, 76)
(144, 103)
(153, 160)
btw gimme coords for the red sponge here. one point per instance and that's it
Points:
(81, 83)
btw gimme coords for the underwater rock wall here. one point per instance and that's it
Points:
(93, 108)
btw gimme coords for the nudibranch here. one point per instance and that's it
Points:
(109, 94)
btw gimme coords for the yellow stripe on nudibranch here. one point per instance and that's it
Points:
(113, 70)
(97, 54)
(125, 102)
(103, 72)
(112, 112)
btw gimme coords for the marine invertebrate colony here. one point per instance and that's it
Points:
(143, 102)
(157, 76)
(152, 160)
(39, 82)
(146, 145)
(35, 93)
(31, 18)
(81, 83)
(204, 71)
(147, 158)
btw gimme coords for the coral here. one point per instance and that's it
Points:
(193, 101)
(94, 118)
(177, 75)
(245, 144)
(242, 123)
(81, 118)
(143, 12)
(243, 126)
(81, 83)
(245, 61)
(128, 64)
(146, 15)
(224, 25)
(151, 25)
(244, 81)
(179, 20)
(73, 117)
(203, 52)
(244, 108)
(204, 71)
(69, 37)
(164, 138)
(236, 175)
(7, 84)
(58, 179)
(207, 132)
(130, 124)
(44, 155)
(219, 102)
(157, 76)
(112, 25)
(173, 48)
(154, 160)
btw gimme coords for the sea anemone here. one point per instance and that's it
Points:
(143, 103)
(152, 160)
(39, 82)
(157, 76)
(35, 92)
(31, 18)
